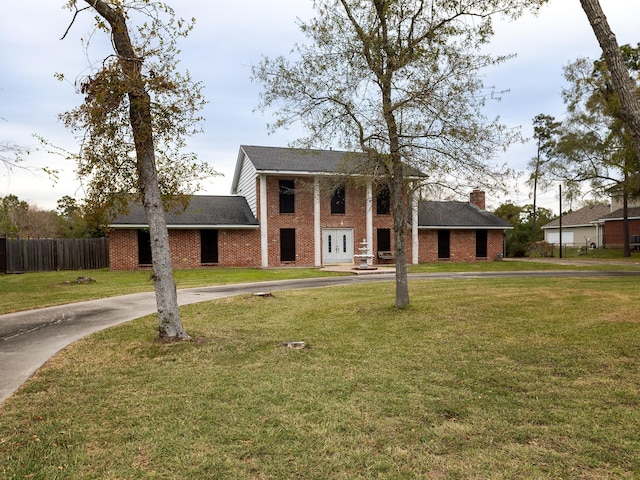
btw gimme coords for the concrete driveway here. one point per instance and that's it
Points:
(28, 339)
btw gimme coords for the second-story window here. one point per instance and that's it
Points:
(338, 200)
(383, 200)
(287, 197)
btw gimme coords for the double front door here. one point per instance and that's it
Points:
(337, 245)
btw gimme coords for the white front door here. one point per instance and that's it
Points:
(337, 245)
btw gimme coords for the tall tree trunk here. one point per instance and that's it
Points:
(622, 82)
(626, 247)
(169, 323)
(398, 201)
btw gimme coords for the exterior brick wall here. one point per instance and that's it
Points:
(302, 219)
(462, 245)
(614, 234)
(241, 248)
(123, 249)
(236, 248)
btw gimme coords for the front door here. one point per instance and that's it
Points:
(337, 245)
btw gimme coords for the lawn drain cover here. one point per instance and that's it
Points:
(296, 345)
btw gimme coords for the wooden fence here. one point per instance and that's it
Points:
(37, 255)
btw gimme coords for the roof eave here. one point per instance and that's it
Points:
(463, 227)
(121, 226)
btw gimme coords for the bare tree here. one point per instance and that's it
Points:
(136, 112)
(399, 80)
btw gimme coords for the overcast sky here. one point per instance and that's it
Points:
(228, 38)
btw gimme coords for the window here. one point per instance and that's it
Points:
(444, 238)
(384, 240)
(338, 200)
(144, 247)
(481, 243)
(208, 246)
(383, 201)
(287, 244)
(287, 197)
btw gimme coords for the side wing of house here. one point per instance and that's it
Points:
(460, 231)
(212, 230)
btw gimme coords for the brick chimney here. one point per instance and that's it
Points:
(477, 198)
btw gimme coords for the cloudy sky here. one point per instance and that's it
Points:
(230, 37)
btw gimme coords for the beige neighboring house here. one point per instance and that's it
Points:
(579, 228)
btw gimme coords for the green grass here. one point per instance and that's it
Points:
(34, 290)
(479, 379)
(41, 289)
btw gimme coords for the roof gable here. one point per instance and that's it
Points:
(457, 215)
(202, 211)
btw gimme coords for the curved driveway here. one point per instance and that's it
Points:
(28, 339)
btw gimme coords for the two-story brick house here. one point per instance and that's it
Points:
(292, 207)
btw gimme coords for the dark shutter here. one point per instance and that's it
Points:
(338, 200)
(144, 247)
(208, 246)
(481, 243)
(287, 245)
(444, 239)
(287, 196)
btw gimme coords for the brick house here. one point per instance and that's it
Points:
(612, 226)
(289, 207)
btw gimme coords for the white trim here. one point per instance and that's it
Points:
(264, 239)
(453, 227)
(314, 173)
(370, 219)
(317, 230)
(120, 226)
(415, 243)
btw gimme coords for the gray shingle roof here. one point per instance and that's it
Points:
(433, 214)
(203, 211)
(632, 212)
(298, 160)
(581, 217)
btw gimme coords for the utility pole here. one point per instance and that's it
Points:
(560, 218)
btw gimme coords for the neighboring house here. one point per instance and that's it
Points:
(289, 207)
(612, 226)
(581, 227)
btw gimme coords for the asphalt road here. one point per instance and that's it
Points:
(28, 339)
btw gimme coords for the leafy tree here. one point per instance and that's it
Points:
(545, 132)
(12, 209)
(19, 219)
(596, 144)
(522, 218)
(135, 116)
(399, 80)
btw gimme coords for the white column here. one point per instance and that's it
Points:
(264, 237)
(317, 229)
(414, 228)
(370, 219)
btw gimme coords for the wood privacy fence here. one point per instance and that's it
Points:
(46, 254)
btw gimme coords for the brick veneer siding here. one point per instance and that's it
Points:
(614, 234)
(462, 245)
(302, 219)
(236, 248)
